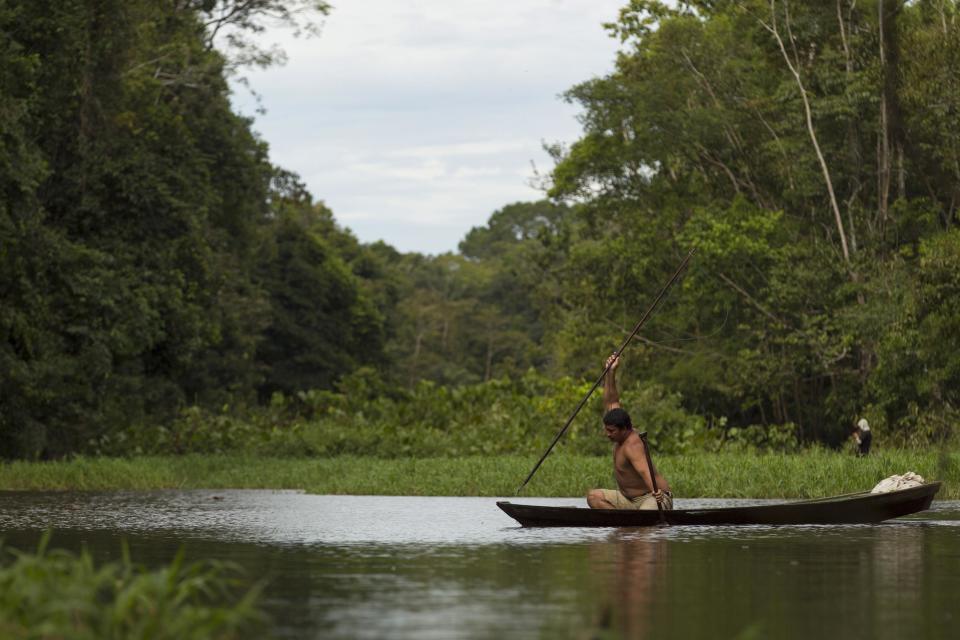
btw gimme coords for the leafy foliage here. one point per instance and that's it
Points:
(135, 204)
(787, 142)
(164, 287)
(57, 594)
(498, 417)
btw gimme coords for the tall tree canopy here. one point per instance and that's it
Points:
(153, 259)
(806, 149)
(135, 204)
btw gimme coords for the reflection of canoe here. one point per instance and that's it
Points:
(854, 508)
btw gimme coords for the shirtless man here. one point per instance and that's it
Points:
(629, 458)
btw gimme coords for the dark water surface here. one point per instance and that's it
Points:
(389, 567)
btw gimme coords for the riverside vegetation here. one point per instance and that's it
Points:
(167, 291)
(59, 594)
(156, 267)
(478, 440)
(812, 473)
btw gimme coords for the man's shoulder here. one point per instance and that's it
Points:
(633, 442)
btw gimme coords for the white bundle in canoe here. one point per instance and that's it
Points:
(895, 483)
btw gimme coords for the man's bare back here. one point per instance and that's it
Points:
(631, 482)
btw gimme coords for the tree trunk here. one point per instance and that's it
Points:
(891, 141)
(794, 66)
(418, 341)
(488, 371)
(853, 129)
(883, 143)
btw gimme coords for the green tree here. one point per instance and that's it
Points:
(134, 202)
(322, 324)
(783, 139)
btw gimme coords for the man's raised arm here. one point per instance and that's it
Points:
(611, 397)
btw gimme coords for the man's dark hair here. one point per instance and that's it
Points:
(617, 418)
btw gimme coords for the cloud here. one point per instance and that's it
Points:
(486, 147)
(428, 170)
(414, 120)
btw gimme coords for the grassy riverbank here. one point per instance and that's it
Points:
(735, 475)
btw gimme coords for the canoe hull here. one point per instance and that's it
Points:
(858, 508)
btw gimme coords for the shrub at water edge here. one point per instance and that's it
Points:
(59, 594)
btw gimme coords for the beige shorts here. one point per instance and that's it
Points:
(645, 501)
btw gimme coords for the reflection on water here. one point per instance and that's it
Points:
(387, 567)
(634, 567)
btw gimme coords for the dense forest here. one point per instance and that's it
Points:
(154, 263)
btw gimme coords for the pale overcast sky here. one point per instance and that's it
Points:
(414, 120)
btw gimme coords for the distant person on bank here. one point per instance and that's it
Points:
(862, 437)
(629, 458)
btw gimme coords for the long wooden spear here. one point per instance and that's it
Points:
(596, 384)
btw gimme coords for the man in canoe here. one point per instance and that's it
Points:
(629, 458)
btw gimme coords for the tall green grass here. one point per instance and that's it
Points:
(58, 594)
(811, 473)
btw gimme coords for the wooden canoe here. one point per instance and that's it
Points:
(854, 508)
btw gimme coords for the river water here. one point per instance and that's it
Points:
(410, 567)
